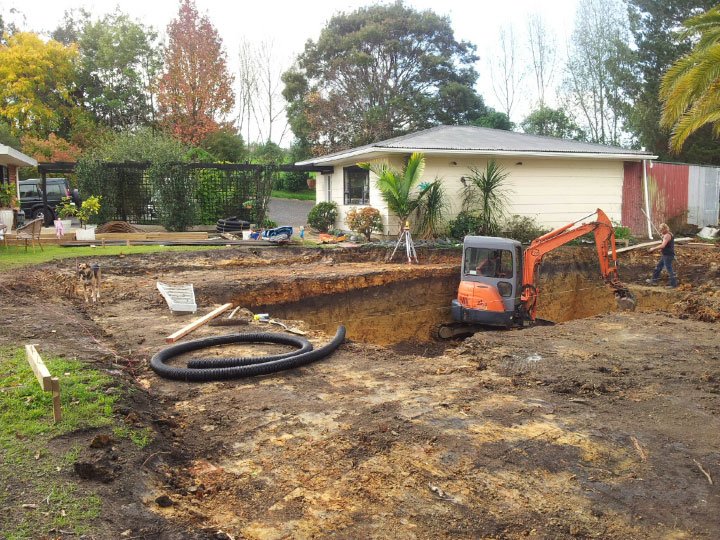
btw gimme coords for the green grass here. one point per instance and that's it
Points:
(303, 195)
(26, 432)
(9, 259)
(141, 437)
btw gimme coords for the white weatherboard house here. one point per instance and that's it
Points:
(552, 180)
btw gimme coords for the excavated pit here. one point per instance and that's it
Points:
(400, 309)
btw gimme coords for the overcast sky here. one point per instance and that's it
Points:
(289, 24)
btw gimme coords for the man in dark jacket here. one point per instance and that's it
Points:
(667, 247)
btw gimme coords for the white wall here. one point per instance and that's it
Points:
(553, 191)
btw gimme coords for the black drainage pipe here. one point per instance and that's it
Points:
(215, 369)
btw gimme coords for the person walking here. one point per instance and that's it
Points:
(667, 248)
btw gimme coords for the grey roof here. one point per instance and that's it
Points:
(472, 139)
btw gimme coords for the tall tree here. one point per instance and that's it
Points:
(506, 71)
(458, 104)
(553, 123)
(119, 59)
(598, 70)
(542, 53)
(654, 25)
(690, 89)
(373, 74)
(195, 93)
(37, 80)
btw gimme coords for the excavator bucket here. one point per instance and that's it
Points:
(627, 302)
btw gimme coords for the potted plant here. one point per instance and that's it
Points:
(8, 201)
(88, 208)
(66, 209)
(311, 182)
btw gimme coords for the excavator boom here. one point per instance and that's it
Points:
(604, 233)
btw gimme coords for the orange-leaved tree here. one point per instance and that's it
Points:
(52, 149)
(195, 92)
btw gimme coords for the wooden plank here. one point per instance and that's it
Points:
(57, 414)
(39, 368)
(653, 243)
(202, 320)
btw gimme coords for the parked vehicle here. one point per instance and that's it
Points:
(31, 199)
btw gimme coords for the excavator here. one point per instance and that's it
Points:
(497, 286)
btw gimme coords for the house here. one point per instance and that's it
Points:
(10, 161)
(552, 180)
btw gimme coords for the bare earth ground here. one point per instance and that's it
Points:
(599, 427)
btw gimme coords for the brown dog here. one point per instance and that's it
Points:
(89, 276)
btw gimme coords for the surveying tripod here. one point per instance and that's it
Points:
(406, 238)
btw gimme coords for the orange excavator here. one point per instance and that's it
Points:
(497, 286)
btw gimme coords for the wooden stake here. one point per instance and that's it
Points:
(202, 320)
(127, 242)
(47, 383)
(39, 368)
(103, 242)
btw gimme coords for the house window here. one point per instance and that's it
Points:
(328, 188)
(357, 185)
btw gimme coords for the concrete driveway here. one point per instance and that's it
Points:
(291, 212)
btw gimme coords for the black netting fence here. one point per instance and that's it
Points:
(178, 195)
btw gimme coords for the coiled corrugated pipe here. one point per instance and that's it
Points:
(215, 369)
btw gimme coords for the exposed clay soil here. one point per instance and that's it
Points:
(594, 428)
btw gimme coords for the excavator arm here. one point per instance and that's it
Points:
(605, 244)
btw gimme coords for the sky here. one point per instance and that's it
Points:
(289, 24)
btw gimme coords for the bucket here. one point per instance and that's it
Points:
(246, 234)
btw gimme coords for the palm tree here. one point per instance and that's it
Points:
(396, 187)
(485, 195)
(690, 89)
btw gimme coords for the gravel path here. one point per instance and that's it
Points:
(291, 212)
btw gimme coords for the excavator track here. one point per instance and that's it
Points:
(448, 331)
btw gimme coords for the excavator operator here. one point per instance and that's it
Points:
(492, 266)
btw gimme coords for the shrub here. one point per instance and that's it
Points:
(523, 229)
(464, 224)
(364, 221)
(431, 211)
(322, 216)
(293, 181)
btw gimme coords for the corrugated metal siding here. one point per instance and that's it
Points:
(668, 191)
(633, 199)
(703, 195)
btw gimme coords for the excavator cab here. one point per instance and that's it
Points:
(491, 281)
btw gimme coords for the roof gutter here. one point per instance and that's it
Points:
(513, 153)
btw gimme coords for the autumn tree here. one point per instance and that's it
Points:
(37, 80)
(52, 149)
(195, 92)
(373, 74)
